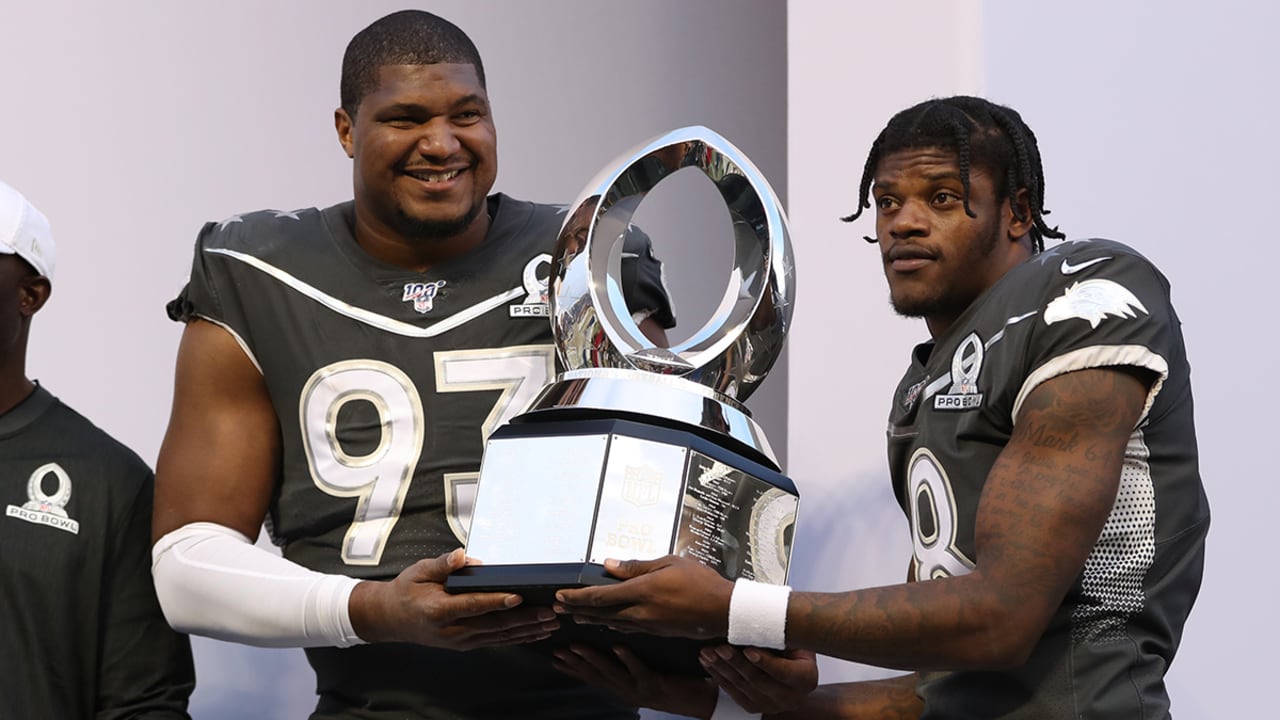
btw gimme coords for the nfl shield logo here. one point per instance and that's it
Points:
(641, 484)
(423, 295)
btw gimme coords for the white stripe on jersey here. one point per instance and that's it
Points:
(1011, 321)
(371, 318)
(937, 385)
(239, 340)
(1095, 357)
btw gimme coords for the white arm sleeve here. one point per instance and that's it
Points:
(212, 580)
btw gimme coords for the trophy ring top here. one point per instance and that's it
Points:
(734, 350)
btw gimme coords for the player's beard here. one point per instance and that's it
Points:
(951, 298)
(437, 230)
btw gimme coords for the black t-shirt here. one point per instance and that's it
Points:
(81, 630)
(386, 383)
(1079, 305)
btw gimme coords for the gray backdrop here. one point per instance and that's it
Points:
(132, 123)
(1157, 125)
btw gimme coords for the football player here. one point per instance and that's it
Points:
(1041, 444)
(338, 374)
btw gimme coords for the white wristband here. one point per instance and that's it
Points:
(758, 614)
(727, 709)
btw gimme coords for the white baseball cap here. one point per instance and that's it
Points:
(24, 231)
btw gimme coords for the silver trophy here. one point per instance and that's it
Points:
(637, 451)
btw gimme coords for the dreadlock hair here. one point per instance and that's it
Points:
(407, 37)
(981, 134)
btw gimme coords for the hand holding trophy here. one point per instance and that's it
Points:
(637, 451)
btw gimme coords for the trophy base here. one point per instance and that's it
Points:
(559, 492)
(537, 584)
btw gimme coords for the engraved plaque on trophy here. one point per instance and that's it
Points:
(637, 451)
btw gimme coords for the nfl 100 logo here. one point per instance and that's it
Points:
(422, 294)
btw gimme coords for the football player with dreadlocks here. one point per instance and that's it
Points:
(1041, 444)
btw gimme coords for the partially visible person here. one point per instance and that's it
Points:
(1041, 443)
(80, 628)
(339, 371)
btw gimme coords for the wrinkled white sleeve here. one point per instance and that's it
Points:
(213, 581)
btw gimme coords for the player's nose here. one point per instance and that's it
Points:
(437, 139)
(910, 220)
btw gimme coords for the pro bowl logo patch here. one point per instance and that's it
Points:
(966, 365)
(535, 300)
(48, 509)
(422, 295)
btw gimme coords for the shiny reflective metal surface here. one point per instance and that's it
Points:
(542, 505)
(640, 497)
(635, 449)
(615, 391)
(738, 345)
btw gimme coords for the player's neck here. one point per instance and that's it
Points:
(418, 253)
(13, 389)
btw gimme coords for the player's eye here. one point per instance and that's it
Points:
(946, 198)
(468, 117)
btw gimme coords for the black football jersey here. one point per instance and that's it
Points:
(386, 382)
(82, 631)
(1079, 305)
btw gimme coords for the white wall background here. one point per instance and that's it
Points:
(1156, 122)
(131, 123)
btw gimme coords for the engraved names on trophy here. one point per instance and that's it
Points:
(721, 516)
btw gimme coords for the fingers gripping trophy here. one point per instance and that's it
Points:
(637, 451)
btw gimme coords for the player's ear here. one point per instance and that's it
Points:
(1020, 222)
(343, 123)
(33, 293)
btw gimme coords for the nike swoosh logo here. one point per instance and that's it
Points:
(1069, 269)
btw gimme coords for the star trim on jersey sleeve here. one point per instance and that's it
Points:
(1049, 255)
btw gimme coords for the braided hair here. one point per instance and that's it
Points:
(980, 133)
(407, 37)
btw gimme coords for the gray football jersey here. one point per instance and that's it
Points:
(386, 382)
(1079, 305)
